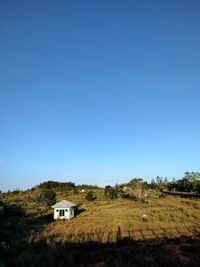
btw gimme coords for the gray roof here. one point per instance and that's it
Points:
(63, 204)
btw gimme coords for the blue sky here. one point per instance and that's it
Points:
(98, 92)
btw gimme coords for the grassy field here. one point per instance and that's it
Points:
(106, 220)
(101, 221)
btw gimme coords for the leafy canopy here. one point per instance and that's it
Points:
(47, 197)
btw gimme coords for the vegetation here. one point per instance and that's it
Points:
(189, 183)
(60, 186)
(111, 192)
(131, 224)
(90, 196)
(47, 197)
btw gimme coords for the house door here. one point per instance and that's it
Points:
(61, 213)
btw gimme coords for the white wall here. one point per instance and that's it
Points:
(68, 213)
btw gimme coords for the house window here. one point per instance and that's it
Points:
(57, 210)
(66, 210)
(61, 212)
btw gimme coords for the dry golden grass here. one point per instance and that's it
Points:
(24, 222)
(107, 220)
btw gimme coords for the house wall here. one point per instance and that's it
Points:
(66, 213)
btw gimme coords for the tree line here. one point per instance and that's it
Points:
(190, 182)
(138, 189)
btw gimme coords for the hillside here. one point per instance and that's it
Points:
(26, 226)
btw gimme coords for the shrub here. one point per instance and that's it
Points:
(121, 194)
(47, 197)
(90, 196)
(111, 192)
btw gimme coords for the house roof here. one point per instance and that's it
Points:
(63, 204)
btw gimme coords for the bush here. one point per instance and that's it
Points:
(121, 194)
(47, 197)
(90, 196)
(111, 192)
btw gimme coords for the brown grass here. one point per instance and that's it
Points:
(169, 233)
(107, 220)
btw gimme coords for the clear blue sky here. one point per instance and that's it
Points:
(98, 91)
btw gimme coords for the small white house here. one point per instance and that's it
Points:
(64, 210)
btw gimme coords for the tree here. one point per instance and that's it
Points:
(189, 183)
(134, 182)
(54, 185)
(47, 197)
(153, 184)
(159, 183)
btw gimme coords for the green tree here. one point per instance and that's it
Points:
(47, 197)
(189, 183)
